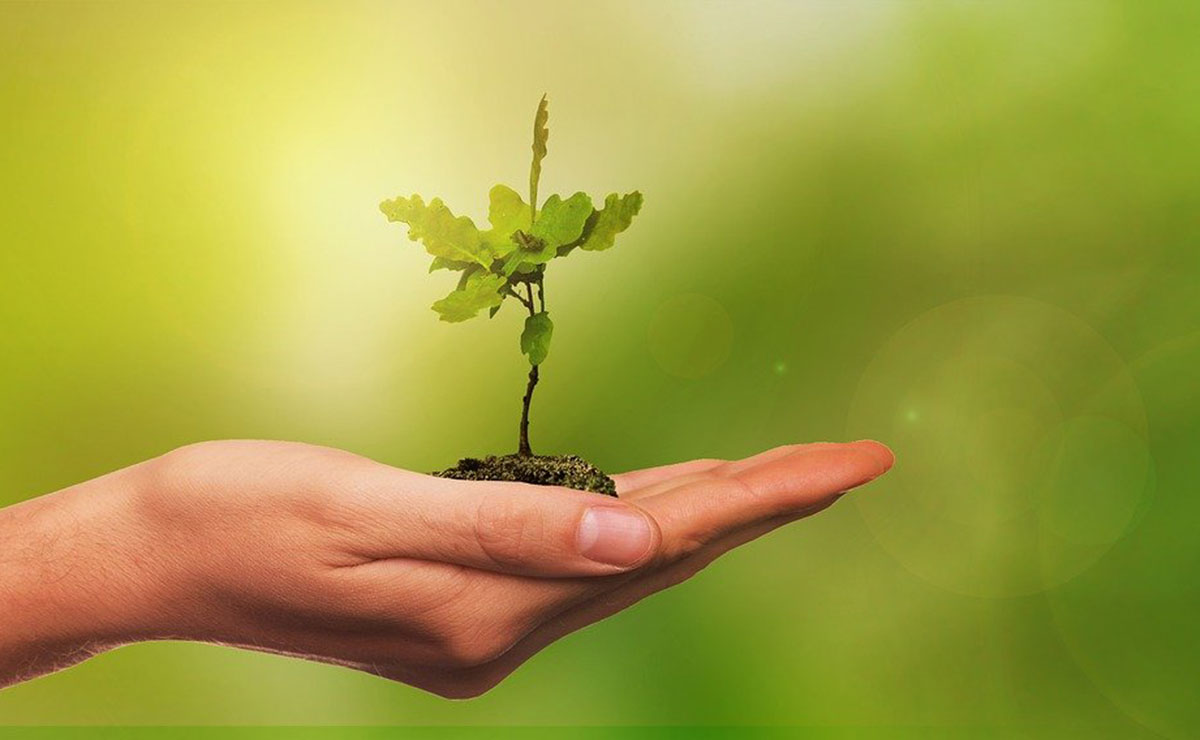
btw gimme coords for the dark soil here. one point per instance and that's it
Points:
(543, 470)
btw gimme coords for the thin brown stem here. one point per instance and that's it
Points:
(523, 448)
(508, 289)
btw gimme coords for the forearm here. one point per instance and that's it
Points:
(72, 577)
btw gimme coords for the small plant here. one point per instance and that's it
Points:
(509, 260)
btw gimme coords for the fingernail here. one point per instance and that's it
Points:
(614, 536)
(880, 452)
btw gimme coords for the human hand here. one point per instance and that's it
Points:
(317, 553)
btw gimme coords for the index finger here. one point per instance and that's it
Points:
(636, 480)
(638, 483)
(728, 498)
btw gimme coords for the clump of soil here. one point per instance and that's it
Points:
(543, 470)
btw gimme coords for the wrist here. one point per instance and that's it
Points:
(75, 576)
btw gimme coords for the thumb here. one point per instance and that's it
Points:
(505, 527)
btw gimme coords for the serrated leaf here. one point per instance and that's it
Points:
(535, 339)
(435, 226)
(602, 228)
(480, 290)
(559, 222)
(507, 213)
(541, 135)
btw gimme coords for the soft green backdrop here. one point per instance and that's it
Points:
(968, 229)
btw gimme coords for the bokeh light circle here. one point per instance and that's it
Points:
(1020, 443)
(690, 335)
(1129, 622)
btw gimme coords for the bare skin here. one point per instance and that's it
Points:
(324, 555)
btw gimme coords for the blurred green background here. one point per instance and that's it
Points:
(970, 230)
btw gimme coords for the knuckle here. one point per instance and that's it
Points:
(323, 493)
(507, 532)
(167, 487)
(180, 467)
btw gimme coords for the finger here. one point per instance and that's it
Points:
(565, 605)
(654, 481)
(549, 531)
(726, 499)
(635, 480)
(572, 604)
(504, 527)
(745, 464)
(590, 601)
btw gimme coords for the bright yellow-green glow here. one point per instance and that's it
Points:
(968, 229)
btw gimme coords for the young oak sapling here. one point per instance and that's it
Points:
(509, 260)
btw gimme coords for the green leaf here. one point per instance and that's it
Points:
(519, 262)
(467, 273)
(480, 290)
(507, 213)
(510, 264)
(441, 263)
(602, 228)
(496, 308)
(541, 134)
(560, 222)
(435, 226)
(535, 339)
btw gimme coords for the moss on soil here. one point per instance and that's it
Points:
(543, 470)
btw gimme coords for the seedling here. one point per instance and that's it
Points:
(509, 260)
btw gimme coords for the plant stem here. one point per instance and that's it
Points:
(524, 449)
(508, 289)
(523, 445)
